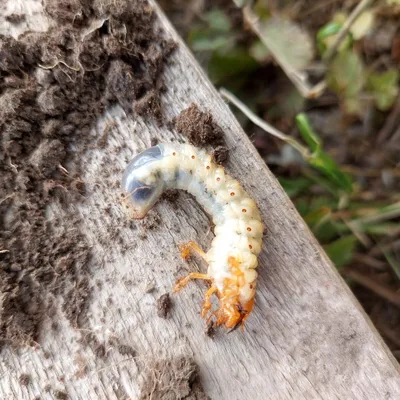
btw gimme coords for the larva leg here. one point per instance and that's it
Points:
(182, 282)
(191, 246)
(207, 301)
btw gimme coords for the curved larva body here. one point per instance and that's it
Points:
(232, 258)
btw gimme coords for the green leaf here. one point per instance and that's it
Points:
(262, 9)
(341, 250)
(203, 40)
(236, 63)
(240, 3)
(327, 35)
(311, 138)
(331, 28)
(319, 159)
(215, 33)
(346, 77)
(218, 20)
(316, 215)
(384, 88)
(324, 183)
(326, 231)
(327, 166)
(326, 32)
(392, 262)
(384, 229)
(290, 44)
(302, 206)
(323, 201)
(292, 102)
(294, 187)
(259, 51)
(363, 24)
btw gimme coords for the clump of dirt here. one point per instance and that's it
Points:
(24, 379)
(164, 305)
(60, 395)
(198, 126)
(42, 260)
(220, 154)
(126, 350)
(53, 87)
(210, 330)
(15, 18)
(170, 195)
(154, 141)
(173, 379)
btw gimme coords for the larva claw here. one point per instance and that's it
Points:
(187, 248)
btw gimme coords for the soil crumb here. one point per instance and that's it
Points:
(15, 18)
(198, 126)
(126, 350)
(60, 395)
(46, 117)
(170, 195)
(220, 154)
(154, 141)
(164, 305)
(210, 330)
(171, 380)
(24, 379)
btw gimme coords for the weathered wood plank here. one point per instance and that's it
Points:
(307, 338)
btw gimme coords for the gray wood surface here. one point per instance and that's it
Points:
(307, 338)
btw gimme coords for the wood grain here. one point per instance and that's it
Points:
(308, 337)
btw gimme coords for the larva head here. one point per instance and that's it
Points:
(141, 183)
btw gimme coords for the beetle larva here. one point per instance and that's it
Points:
(232, 258)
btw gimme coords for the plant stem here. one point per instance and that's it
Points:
(263, 124)
(345, 28)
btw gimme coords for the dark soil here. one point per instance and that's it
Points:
(15, 18)
(210, 330)
(220, 154)
(199, 127)
(170, 195)
(164, 305)
(126, 350)
(53, 87)
(172, 380)
(24, 379)
(60, 395)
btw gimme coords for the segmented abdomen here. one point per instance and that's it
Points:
(238, 228)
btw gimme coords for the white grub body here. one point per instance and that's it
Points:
(238, 228)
